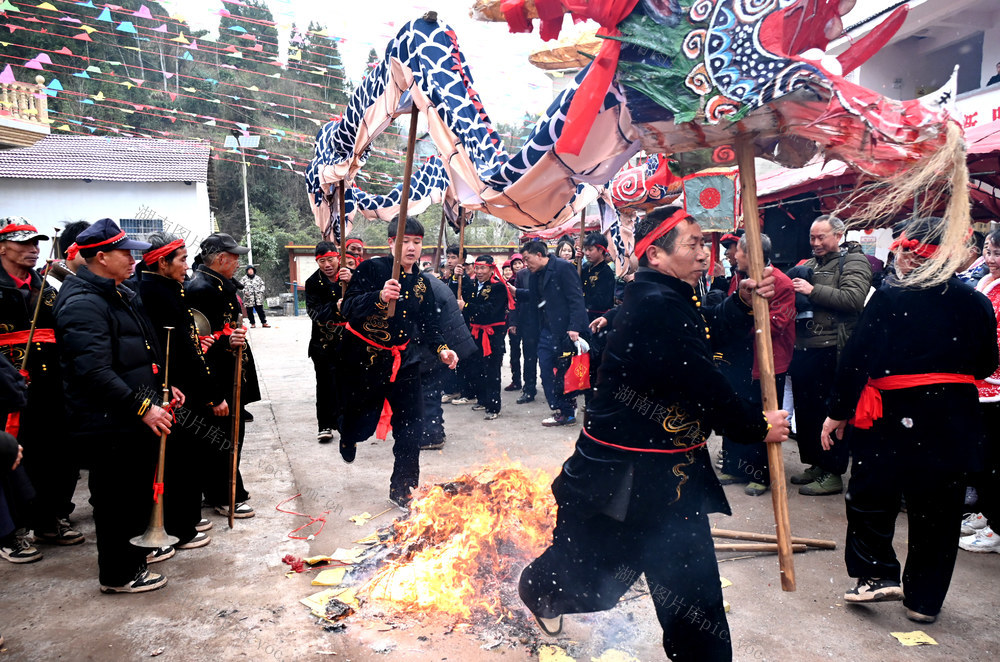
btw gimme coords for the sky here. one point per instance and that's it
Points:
(508, 85)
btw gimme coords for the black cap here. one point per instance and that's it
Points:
(220, 242)
(104, 236)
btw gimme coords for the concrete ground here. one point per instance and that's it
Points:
(233, 601)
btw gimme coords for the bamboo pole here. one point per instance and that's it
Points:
(579, 260)
(755, 547)
(342, 190)
(437, 246)
(765, 356)
(770, 537)
(404, 203)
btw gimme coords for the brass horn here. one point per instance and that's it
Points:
(156, 536)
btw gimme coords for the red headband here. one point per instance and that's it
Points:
(914, 246)
(75, 248)
(327, 254)
(354, 240)
(662, 229)
(152, 256)
(18, 228)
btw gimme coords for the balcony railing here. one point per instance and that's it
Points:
(23, 113)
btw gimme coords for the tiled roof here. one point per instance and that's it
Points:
(113, 159)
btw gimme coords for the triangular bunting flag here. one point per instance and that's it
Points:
(33, 64)
(83, 36)
(193, 45)
(54, 84)
(186, 56)
(94, 69)
(254, 88)
(138, 81)
(69, 19)
(88, 29)
(98, 97)
(161, 28)
(64, 51)
(231, 49)
(181, 39)
(167, 75)
(190, 89)
(143, 12)
(126, 26)
(238, 28)
(47, 6)
(239, 55)
(6, 6)
(127, 85)
(82, 74)
(90, 101)
(105, 15)
(44, 58)
(7, 75)
(62, 127)
(173, 97)
(88, 3)
(210, 123)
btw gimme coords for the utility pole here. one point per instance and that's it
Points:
(240, 142)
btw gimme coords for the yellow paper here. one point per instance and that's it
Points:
(316, 560)
(726, 606)
(360, 519)
(368, 540)
(725, 582)
(351, 555)
(614, 655)
(332, 577)
(915, 638)
(553, 654)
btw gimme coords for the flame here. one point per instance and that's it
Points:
(465, 539)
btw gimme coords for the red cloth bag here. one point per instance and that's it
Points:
(577, 377)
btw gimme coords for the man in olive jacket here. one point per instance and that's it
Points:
(841, 278)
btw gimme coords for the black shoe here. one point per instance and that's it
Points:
(478, 407)
(348, 450)
(870, 589)
(525, 398)
(246, 417)
(144, 581)
(400, 499)
(513, 386)
(432, 444)
(325, 436)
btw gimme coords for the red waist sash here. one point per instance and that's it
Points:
(487, 330)
(21, 337)
(397, 351)
(685, 449)
(869, 407)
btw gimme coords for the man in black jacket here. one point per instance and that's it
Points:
(598, 280)
(905, 383)
(635, 495)
(555, 288)
(485, 310)
(380, 358)
(212, 291)
(524, 322)
(323, 292)
(161, 287)
(49, 457)
(111, 364)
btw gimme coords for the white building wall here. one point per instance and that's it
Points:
(50, 203)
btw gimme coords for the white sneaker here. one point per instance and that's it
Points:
(972, 522)
(462, 401)
(983, 540)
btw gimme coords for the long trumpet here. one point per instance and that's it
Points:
(156, 536)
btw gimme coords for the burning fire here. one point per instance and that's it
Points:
(465, 539)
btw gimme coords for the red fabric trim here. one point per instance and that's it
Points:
(327, 254)
(869, 407)
(517, 17)
(120, 235)
(397, 351)
(914, 246)
(662, 229)
(13, 425)
(18, 228)
(645, 450)
(384, 426)
(21, 283)
(152, 256)
(72, 251)
(21, 337)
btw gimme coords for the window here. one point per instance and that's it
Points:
(140, 228)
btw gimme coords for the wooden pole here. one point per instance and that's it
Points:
(404, 203)
(765, 356)
(461, 239)
(770, 537)
(237, 413)
(342, 190)
(437, 247)
(579, 261)
(754, 547)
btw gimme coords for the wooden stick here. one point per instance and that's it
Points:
(404, 203)
(770, 537)
(583, 221)
(237, 414)
(343, 231)
(765, 356)
(437, 247)
(461, 239)
(755, 547)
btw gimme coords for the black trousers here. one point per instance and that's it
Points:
(749, 461)
(987, 482)
(530, 351)
(812, 372)
(405, 396)
(182, 484)
(934, 504)
(469, 371)
(215, 442)
(121, 493)
(50, 462)
(327, 399)
(487, 386)
(260, 311)
(432, 381)
(515, 357)
(594, 560)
